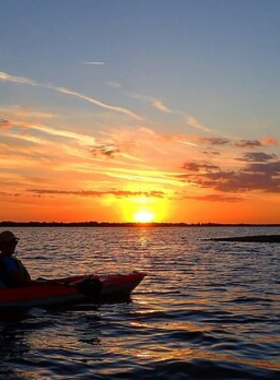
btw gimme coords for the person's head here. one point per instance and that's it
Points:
(8, 242)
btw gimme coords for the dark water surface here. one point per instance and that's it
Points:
(206, 310)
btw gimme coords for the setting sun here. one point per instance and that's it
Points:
(144, 217)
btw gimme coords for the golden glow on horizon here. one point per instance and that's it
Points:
(142, 209)
(144, 217)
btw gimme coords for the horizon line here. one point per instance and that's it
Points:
(132, 224)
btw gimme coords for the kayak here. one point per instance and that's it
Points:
(73, 289)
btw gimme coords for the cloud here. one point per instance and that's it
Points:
(89, 193)
(248, 144)
(263, 177)
(214, 140)
(197, 167)
(8, 194)
(106, 149)
(94, 63)
(114, 84)
(215, 198)
(239, 144)
(268, 141)
(257, 157)
(4, 123)
(176, 138)
(120, 110)
(27, 113)
(212, 153)
(17, 122)
(15, 79)
(269, 169)
(20, 80)
(161, 107)
(193, 122)
(154, 102)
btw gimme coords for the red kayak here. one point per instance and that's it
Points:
(74, 289)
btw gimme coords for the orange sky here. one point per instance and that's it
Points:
(50, 173)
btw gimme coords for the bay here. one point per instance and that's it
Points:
(206, 309)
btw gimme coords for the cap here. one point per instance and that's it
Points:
(7, 236)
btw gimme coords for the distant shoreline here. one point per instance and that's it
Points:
(107, 224)
(250, 239)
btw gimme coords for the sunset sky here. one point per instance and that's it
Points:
(148, 110)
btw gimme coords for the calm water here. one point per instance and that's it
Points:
(206, 310)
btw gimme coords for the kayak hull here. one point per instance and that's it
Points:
(62, 291)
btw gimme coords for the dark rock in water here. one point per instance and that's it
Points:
(257, 239)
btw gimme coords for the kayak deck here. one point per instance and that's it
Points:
(66, 290)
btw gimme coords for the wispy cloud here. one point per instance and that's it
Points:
(193, 122)
(4, 123)
(154, 102)
(114, 84)
(20, 80)
(93, 193)
(158, 104)
(252, 144)
(269, 141)
(215, 198)
(16, 79)
(266, 141)
(94, 63)
(257, 157)
(106, 149)
(248, 143)
(117, 109)
(198, 167)
(214, 140)
(51, 131)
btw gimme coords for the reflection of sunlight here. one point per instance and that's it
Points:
(162, 353)
(173, 326)
(143, 237)
(143, 354)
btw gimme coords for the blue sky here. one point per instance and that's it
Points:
(200, 69)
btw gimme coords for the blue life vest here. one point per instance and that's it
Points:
(9, 266)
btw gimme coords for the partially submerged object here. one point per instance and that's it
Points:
(74, 289)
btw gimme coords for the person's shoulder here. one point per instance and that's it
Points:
(6, 259)
(8, 262)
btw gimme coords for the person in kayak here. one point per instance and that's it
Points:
(12, 272)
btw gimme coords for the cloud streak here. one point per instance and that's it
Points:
(90, 193)
(94, 63)
(26, 81)
(257, 157)
(215, 198)
(16, 79)
(154, 102)
(267, 141)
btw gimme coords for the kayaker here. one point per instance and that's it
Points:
(12, 272)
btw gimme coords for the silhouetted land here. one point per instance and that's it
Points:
(107, 224)
(249, 239)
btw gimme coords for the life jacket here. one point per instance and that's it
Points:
(10, 265)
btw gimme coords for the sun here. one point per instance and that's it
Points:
(143, 217)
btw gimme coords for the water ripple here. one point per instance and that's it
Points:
(204, 311)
